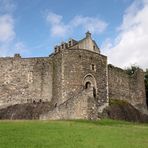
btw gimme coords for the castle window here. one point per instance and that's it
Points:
(93, 67)
(94, 47)
(94, 92)
(55, 49)
(30, 77)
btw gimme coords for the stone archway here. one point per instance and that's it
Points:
(89, 82)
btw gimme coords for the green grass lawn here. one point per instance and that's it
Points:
(73, 134)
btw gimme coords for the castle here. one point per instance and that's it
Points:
(76, 79)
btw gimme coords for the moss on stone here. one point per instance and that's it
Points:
(118, 102)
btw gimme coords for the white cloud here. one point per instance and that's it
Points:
(53, 18)
(60, 29)
(131, 45)
(7, 33)
(94, 25)
(6, 28)
(8, 45)
(13, 47)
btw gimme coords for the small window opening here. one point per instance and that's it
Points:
(94, 92)
(93, 67)
(94, 47)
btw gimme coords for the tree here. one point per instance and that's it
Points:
(131, 70)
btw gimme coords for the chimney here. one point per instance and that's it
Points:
(56, 48)
(88, 34)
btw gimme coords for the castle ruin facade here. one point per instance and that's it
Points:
(76, 79)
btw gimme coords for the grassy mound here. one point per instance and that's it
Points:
(122, 110)
(73, 134)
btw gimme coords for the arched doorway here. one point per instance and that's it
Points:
(89, 82)
(87, 85)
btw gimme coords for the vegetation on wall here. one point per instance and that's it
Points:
(131, 70)
(117, 102)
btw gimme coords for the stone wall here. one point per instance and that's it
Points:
(57, 79)
(87, 44)
(80, 66)
(125, 87)
(25, 80)
(63, 75)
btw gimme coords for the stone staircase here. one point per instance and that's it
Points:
(80, 106)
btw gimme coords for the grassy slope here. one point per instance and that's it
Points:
(73, 134)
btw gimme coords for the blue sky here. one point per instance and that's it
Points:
(34, 27)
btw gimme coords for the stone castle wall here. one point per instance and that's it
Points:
(125, 87)
(59, 78)
(25, 80)
(80, 67)
(62, 76)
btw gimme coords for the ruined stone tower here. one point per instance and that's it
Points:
(75, 79)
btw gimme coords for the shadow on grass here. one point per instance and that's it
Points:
(106, 122)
